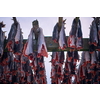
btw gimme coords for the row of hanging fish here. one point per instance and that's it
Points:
(62, 73)
(21, 64)
(88, 70)
(75, 39)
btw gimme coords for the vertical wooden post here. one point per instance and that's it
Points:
(60, 20)
(14, 19)
(77, 19)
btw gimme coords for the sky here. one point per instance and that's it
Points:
(47, 23)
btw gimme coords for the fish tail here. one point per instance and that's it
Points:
(43, 52)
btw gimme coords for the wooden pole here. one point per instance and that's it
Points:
(77, 18)
(60, 20)
(15, 20)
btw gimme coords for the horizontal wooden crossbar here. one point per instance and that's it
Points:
(51, 46)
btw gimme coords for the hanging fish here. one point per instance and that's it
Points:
(53, 73)
(75, 57)
(23, 70)
(18, 33)
(38, 68)
(72, 67)
(62, 38)
(89, 78)
(93, 59)
(42, 50)
(11, 61)
(28, 47)
(62, 57)
(98, 30)
(26, 71)
(17, 58)
(42, 75)
(95, 79)
(66, 80)
(79, 37)
(83, 61)
(92, 48)
(55, 35)
(42, 71)
(81, 72)
(11, 38)
(67, 69)
(85, 58)
(54, 66)
(75, 80)
(72, 35)
(69, 56)
(98, 76)
(34, 62)
(2, 38)
(98, 60)
(54, 57)
(57, 67)
(5, 71)
(72, 55)
(1, 73)
(93, 34)
(19, 46)
(66, 75)
(58, 58)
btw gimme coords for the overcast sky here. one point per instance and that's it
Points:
(47, 23)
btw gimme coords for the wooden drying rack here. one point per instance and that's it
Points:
(51, 46)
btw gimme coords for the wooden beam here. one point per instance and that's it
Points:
(51, 46)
